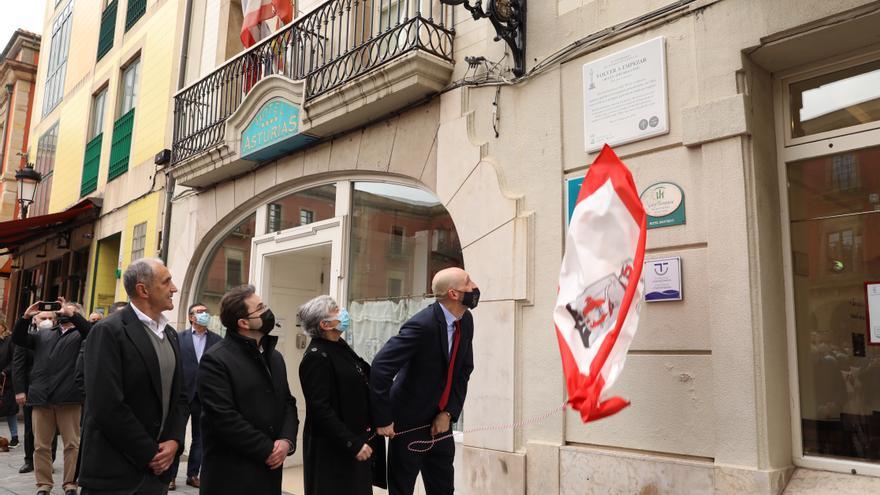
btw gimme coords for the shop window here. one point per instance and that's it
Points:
(227, 266)
(386, 290)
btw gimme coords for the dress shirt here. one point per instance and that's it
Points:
(158, 327)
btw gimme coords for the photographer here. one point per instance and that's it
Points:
(53, 394)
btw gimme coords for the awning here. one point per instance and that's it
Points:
(14, 233)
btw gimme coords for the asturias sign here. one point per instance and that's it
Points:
(275, 122)
(664, 204)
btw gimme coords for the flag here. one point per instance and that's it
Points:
(257, 13)
(600, 286)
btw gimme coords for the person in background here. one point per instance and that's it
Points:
(117, 306)
(22, 365)
(338, 457)
(249, 418)
(95, 317)
(53, 394)
(8, 406)
(194, 342)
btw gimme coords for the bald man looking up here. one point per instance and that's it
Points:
(432, 359)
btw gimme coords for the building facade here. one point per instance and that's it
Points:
(18, 67)
(369, 146)
(102, 112)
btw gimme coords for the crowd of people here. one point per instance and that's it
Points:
(120, 391)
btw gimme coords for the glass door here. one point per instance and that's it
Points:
(291, 267)
(834, 225)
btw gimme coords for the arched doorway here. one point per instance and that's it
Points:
(373, 245)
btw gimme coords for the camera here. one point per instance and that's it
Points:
(49, 306)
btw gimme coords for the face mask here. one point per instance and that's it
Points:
(45, 325)
(344, 320)
(471, 299)
(268, 319)
(203, 319)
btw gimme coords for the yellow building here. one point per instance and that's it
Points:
(102, 112)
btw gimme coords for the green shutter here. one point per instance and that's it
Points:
(91, 164)
(108, 29)
(136, 10)
(121, 148)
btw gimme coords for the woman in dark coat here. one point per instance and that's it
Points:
(340, 452)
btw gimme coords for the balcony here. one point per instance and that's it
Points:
(337, 67)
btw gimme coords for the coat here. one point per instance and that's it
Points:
(246, 407)
(335, 382)
(122, 416)
(418, 356)
(190, 361)
(8, 406)
(52, 377)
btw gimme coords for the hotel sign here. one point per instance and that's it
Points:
(277, 121)
(664, 204)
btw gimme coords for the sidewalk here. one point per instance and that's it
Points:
(11, 482)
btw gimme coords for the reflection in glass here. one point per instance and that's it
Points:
(833, 101)
(400, 237)
(302, 208)
(835, 238)
(228, 266)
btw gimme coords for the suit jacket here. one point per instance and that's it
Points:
(418, 357)
(190, 361)
(246, 407)
(123, 408)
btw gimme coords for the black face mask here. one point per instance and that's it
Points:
(268, 319)
(471, 299)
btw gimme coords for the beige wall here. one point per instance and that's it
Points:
(708, 376)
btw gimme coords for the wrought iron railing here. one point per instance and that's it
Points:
(327, 47)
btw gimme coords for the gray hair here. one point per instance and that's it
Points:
(139, 272)
(312, 313)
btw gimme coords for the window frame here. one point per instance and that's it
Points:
(133, 64)
(790, 150)
(138, 241)
(56, 69)
(788, 78)
(96, 124)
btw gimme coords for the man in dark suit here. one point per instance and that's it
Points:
(135, 409)
(194, 342)
(432, 360)
(249, 417)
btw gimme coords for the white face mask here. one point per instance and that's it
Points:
(45, 325)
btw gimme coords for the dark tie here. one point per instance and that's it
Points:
(456, 336)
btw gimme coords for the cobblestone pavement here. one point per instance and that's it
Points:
(25, 484)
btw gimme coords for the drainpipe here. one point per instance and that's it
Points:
(170, 182)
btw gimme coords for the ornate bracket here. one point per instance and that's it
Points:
(509, 19)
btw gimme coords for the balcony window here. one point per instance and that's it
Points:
(45, 165)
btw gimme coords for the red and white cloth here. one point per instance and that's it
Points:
(600, 286)
(257, 13)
